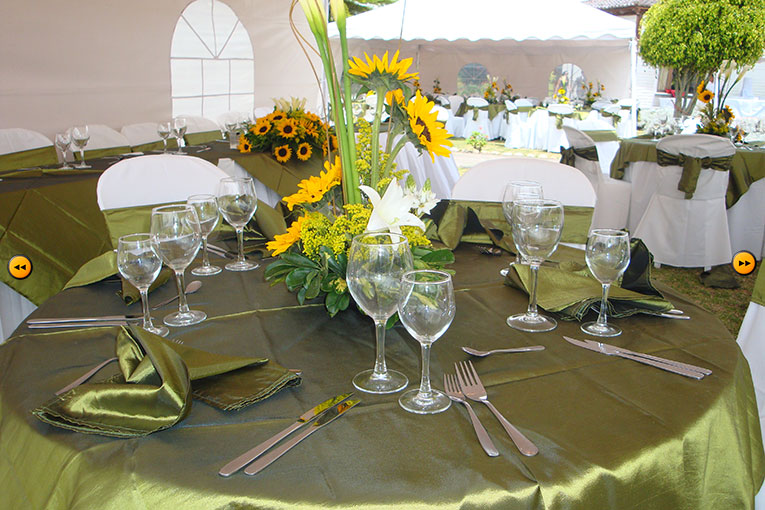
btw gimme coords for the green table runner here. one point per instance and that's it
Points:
(611, 433)
(40, 156)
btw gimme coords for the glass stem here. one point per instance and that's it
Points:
(205, 257)
(602, 315)
(425, 389)
(82, 155)
(146, 311)
(240, 243)
(183, 306)
(164, 150)
(380, 368)
(532, 310)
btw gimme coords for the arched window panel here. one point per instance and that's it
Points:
(187, 106)
(186, 77)
(242, 77)
(215, 74)
(238, 45)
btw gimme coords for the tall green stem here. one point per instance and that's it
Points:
(392, 153)
(375, 163)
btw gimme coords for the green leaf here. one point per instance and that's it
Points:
(301, 295)
(313, 287)
(278, 270)
(338, 264)
(296, 278)
(439, 257)
(300, 261)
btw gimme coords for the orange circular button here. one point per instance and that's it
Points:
(743, 263)
(19, 267)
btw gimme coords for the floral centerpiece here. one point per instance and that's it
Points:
(289, 132)
(507, 93)
(492, 92)
(437, 87)
(560, 96)
(328, 210)
(716, 116)
(592, 94)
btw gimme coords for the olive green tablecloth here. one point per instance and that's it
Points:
(612, 434)
(748, 164)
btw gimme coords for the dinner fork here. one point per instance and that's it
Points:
(473, 389)
(451, 388)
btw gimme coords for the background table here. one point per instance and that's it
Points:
(612, 433)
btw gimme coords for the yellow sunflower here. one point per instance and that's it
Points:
(283, 153)
(287, 128)
(244, 144)
(262, 127)
(430, 132)
(309, 127)
(397, 95)
(727, 114)
(706, 96)
(282, 242)
(304, 151)
(376, 66)
(276, 116)
(332, 173)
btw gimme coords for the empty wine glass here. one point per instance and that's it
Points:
(63, 142)
(178, 131)
(237, 203)
(80, 137)
(207, 212)
(537, 226)
(426, 308)
(164, 130)
(177, 237)
(518, 190)
(607, 256)
(376, 263)
(139, 264)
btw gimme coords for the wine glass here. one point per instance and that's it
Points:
(176, 236)
(537, 226)
(376, 263)
(178, 131)
(207, 212)
(237, 202)
(426, 308)
(63, 142)
(164, 130)
(80, 137)
(139, 264)
(607, 256)
(518, 190)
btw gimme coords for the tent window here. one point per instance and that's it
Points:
(568, 77)
(212, 69)
(472, 79)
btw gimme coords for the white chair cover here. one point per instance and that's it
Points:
(507, 121)
(442, 172)
(261, 111)
(455, 102)
(607, 149)
(746, 221)
(627, 127)
(688, 232)
(265, 194)
(18, 139)
(443, 113)
(517, 135)
(156, 179)
(536, 130)
(104, 137)
(613, 196)
(195, 124)
(555, 137)
(141, 133)
(482, 123)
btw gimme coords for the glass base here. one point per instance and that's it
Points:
(604, 330)
(532, 323)
(241, 266)
(206, 270)
(66, 166)
(415, 402)
(185, 318)
(503, 272)
(158, 330)
(390, 382)
(82, 165)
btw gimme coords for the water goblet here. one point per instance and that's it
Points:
(63, 142)
(607, 255)
(376, 263)
(178, 132)
(426, 308)
(518, 190)
(164, 130)
(207, 212)
(537, 226)
(80, 137)
(237, 203)
(139, 264)
(177, 237)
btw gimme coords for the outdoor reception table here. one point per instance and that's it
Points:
(611, 433)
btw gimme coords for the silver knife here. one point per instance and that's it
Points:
(104, 318)
(686, 366)
(333, 413)
(664, 366)
(97, 324)
(250, 455)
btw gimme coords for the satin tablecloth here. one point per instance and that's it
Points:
(611, 433)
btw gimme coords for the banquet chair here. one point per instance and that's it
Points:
(22, 148)
(746, 221)
(518, 137)
(455, 125)
(105, 141)
(627, 127)
(682, 228)
(143, 137)
(510, 110)
(558, 116)
(477, 117)
(455, 102)
(613, 196)
(441, 170)
(201, 130)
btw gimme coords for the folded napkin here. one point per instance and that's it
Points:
(570, 290)
(154, 389)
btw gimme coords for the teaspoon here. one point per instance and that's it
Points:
(191, 288)
(476, 352)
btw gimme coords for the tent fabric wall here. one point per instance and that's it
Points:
(108, 62)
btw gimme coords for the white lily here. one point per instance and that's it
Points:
(423, 200)
(391, 211)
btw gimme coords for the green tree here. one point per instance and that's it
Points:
(694, 37)
(359, 6)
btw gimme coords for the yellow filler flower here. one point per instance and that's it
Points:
(430, 132)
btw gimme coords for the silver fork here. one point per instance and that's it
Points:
(452, 390)
(473, 389)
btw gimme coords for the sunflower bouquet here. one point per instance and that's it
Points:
(289, 132)
(492, 91)
(716, 116)
(592, 93)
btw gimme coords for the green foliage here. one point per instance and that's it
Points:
(359, 6)
(477, 140)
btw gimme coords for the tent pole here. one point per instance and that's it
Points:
(633, 80)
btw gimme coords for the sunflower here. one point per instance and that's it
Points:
(244, 144)
(332, 173)
(397, 95)
(287, 128)
(262, 127)
(304, 151)
(430, 132)
(381, 72)
(727, 114)
(283, 153)
(703, 94)
(282, 242)
(309, 127)
(276, 115)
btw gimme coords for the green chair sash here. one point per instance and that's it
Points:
(568, 155)
(559, 118)
(602, 135)
(476, 109)
(614, 118)
(692, 168)
(155, 146)
(41, 156)
(758, 294)
(202, 137)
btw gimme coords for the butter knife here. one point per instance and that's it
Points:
(333, 413)
(664, 366)
(96, 324)
(686, 366)
(250, 455)
(104, 318)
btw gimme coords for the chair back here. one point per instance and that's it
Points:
(200, 130)
(697, 146)
(580, 140)
(105, 141)
(477, 101)
(455, 102)
(560, 109)
(141, 133)
(23, 148)
(510, 105)
(524, 102)
(599, 105)
(442, 113)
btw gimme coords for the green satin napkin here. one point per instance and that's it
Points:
(570, 290)
(154, 388)
(203, 137)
